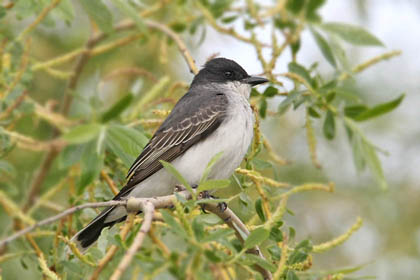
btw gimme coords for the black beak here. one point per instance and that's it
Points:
(253, 80)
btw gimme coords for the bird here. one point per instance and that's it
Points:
(213, 117)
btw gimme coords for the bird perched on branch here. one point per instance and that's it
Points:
(213, 116)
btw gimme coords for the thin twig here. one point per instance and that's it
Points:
(109, 182)
(148, 209)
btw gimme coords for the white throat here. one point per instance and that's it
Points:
(240, 88)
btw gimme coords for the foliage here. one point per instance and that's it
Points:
(89, 141)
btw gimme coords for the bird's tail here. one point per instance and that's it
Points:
(89, 234)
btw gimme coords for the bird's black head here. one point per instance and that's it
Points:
(223, 70)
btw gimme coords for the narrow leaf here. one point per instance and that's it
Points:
(99, 12)
(82, 133)
(173, 224)
(171, 169)
(125, 142)
(354, 110)
(301, 71)
(217, 234)
(352, 34)
(91, 166)
(213, 185)
(210, 165)
(270, 91)
(329, 126)
(117, 108)
(129, 11)
(379, 109)
(259, 209)
(263, 107)
(374, 164)
(324, 48)
(256, 237)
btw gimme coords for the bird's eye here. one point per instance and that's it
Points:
(228, 74)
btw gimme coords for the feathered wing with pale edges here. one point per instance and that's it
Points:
(201, 114)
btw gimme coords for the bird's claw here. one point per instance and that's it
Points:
(222, 206)
(206, 195)
(179, 188)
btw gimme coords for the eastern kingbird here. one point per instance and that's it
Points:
(213, 116)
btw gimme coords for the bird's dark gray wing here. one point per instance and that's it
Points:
(193, 118)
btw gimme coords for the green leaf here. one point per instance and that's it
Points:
(263, 107)
(285, 104)
(352, 34)
(295, 6)
(297, 256)
(261, 164)
(256, 237)
(131, 12)
(292, 232)
(217, 235)
(259, 209)
(65, 11)
(254, 259)
(313, 113)
(330, 96)
(291, 275)
(82, 133)
(354, 110)
(270, 91)
(178, 26)
(198, 228)
(125, 142)
(295, 47)
(171, 169)
(374, 164)
(99, 12)
(276, 234)
(210, 165)
(213, 185)
(91, 165)
(173, 224)
(379, 109)
(275, 252)
(229, 19)
(254, 92)
(301, 71)
(306, 245)
(324, 47)
(329, 126)
(311, 9)
(70, 155)
(117, 108)
(212, 256)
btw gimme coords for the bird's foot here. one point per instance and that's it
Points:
(179, 188)
(206, 195)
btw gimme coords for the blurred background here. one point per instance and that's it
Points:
(389, 241)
